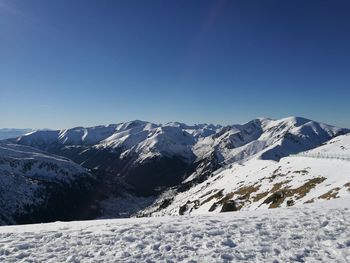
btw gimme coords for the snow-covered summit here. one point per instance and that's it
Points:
(131, 137)
(139, 135)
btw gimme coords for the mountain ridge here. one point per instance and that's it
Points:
(132, 148)
(138, 162)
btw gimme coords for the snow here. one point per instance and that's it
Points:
(338, 145)
(265, 177)
(141, 141)
(225, 160)
(312, 233)
(264, 138)
(23, 173)
(257, 161)
(21, 154)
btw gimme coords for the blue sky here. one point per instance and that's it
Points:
(83, 63)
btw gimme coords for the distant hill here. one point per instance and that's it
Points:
(7, 133)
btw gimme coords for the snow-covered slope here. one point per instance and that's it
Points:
(311, 233)
(6, 133)
(151, 156)
(319, 174)
(32, 181)
(261, 138)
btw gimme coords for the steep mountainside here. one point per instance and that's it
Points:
(151, 157)
(264, 139)
(36, 186)
(319, 174)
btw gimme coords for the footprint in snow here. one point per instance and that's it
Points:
(229, 243)
(324, 223)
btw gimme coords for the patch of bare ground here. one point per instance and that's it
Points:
(243, 194)
(301, 172)
(217, 195)
(331, 194)
(260, 196)
(278, 186)
(195, 204)
(277, 173)
(207, 193)
(246, 191)
(165, 203)
(190, 205)
(309, 201)
(278, 197)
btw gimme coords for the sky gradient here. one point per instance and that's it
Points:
(84, 63)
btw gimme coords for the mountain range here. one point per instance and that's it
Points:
(174, 168)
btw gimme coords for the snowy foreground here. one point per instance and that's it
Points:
(311, 233)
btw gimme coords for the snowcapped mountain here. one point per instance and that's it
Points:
(34, 185)
(264, 139)
(319, 174)
(147, 155)
(137, 137)
(150, 157)
(7, 133)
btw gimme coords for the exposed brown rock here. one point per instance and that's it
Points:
(260, 196)
(309, 201)
(277, 198)
(348, 186)
(331, 194)
(229, 206)
(277, 186)
(217, 195)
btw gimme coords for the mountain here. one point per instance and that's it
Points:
(148, 156)
(264, 139)
(319, 174)
(151, 157)
(147, 169)
(7, 133)
(38, 187)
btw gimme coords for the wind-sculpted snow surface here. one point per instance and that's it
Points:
(312, 233)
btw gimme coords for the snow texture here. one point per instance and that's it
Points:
(312, 233)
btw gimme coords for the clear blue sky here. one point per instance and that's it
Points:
(69, 63)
